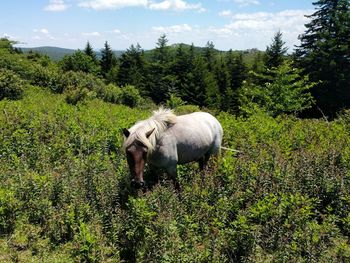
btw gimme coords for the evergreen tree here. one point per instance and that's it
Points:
(160, 83)
(201, 81)
(108, 59)
(222, 80)
(181, 69)
(90, 52)
(209, 55)
(324, 53)
(162, 50)
(276, 52)
(237, 73)
(132, 69)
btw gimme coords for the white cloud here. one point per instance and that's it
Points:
(112, 4)
(225, 13)
(172, 29)
(177, 5)
(5, 35)
(56, 6)
(91, 34)
(258, 28)
(116, 31)
(243, 3)
(43, 33)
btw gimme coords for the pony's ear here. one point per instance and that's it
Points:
(126, 132)
(149, 133)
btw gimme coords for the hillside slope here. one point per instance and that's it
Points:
(65, 194)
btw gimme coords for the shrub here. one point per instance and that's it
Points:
(185, 109)
(112, 94)
(8, 207)
(11, 85)
(79, 61)
(287, 91)
(79, 95)
(130, 96)
(47, 78)
(174, 102)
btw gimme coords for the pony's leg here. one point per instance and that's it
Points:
(203, 162)
(172, 172)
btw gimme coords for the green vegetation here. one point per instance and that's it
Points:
(65, 191)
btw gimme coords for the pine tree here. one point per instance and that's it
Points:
(160, 83)
(162, 50)
(209, 55)
(132, 69)
(324, 53)
(276, 52)
(181, 68)
(90, 52)
(237, 73)
(222, 80)
(108, 59)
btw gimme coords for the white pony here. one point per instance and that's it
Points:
(165, 140)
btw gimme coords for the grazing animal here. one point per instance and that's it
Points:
(165, 140)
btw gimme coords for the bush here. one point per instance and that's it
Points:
(47, 78)
(8, 208)
(174, 102)
(11, 85)
(130, 96)
(185, 109)
(284, 90)
(79, 61)
(79, 95)
(112, 94)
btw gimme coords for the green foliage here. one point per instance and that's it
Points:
(11, 85)
(64, 182)
(132, 68)
(287, 92)
(130, 96)
(8, 209)
(174, 102)
(186, 109)
(276, 52)
(108, 59)
(324, 54)
(79, 61)
(65, 194)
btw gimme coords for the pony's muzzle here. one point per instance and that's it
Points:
(137, 184)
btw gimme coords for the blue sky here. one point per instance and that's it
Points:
(229, 24)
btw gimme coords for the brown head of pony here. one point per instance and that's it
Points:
(136, 155)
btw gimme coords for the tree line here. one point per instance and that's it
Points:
(312, 80)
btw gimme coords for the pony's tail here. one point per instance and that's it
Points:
(231, 150)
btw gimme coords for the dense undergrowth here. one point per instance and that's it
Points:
(65, 195)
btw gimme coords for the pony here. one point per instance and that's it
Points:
(165, 140)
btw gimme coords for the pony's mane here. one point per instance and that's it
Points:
(160, 121)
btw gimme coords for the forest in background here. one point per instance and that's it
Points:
(65, 191)
(312, 81)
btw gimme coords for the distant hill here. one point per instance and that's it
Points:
(57, 53)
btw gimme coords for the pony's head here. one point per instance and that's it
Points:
(136, 155)
(140, 141)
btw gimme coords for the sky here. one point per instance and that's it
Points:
(229, 24)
